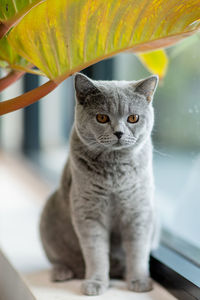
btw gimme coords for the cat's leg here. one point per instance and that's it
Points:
(137, 236)
(94, 241)
(61, 272)
(60, 241)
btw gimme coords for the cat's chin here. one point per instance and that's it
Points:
(122, 145)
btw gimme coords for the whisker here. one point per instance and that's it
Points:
(162, 153)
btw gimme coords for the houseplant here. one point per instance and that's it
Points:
(62, 37)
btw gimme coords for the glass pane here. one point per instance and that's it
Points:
(11, 125)
(56, 119)
(176, 138)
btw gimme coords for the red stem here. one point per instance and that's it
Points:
(9, 79)
(27, 98)
(3, 29)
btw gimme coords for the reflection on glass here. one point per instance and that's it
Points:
(176, 139)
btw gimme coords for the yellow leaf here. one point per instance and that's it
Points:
(64, 36)
(156, 62)
(61, 37)
(10, 59)
(11, 11)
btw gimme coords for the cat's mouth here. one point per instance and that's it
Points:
(120, 143)
(124, 143)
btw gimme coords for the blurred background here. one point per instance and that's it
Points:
(38, 136)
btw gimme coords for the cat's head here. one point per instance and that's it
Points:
(114, 114)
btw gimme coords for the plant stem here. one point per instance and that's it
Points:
(3, 29)
(9, 79)
(27, 98)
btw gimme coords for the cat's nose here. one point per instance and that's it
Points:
(118, 134)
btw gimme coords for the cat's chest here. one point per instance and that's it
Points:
(114, 175)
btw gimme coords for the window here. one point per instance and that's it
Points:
(176, 142)
(176, 139)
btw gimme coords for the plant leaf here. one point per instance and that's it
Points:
(61, 37)
(3, 64)
(13, 10)
(11, 60)
(8, 54)
(71, 35)
(155, 61)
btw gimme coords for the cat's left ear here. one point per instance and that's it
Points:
(84, 86)
(147, 87)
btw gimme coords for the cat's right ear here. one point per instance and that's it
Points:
(84, 87)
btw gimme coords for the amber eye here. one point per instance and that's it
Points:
(102, 118)
(133, 119)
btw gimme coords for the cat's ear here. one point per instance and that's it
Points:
(84, 86)
(147, 87)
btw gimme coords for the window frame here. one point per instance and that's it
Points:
(175, 272)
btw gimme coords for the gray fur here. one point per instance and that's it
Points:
(101, 218)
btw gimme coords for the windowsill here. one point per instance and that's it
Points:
(23, 195)
(43, 289)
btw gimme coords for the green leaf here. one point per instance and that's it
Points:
(64, 36)
(8, 54)
(155, 61)
(61, 37)
(10, 9)
(10, 59)
(3, 64)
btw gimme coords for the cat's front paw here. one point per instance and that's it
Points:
(140, 285)
(93, 287)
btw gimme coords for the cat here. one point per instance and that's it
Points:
(100, 222)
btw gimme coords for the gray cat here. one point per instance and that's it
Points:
(101, 219)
